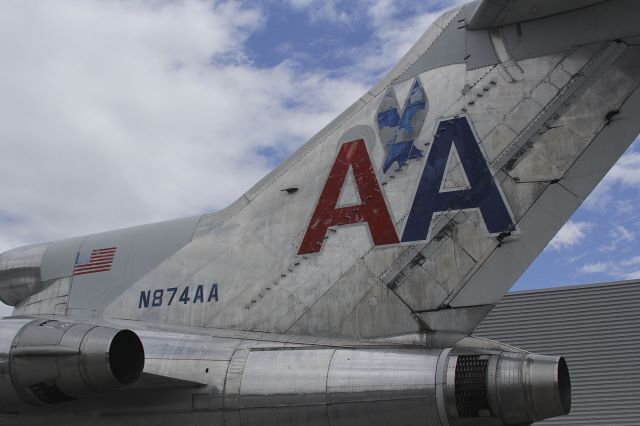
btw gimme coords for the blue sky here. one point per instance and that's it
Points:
(122, 113)
(325, 34)
(601, 241)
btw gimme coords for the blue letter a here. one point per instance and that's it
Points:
(481, 191)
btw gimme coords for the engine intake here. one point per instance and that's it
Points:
(49, 361)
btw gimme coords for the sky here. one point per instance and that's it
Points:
(117, 113)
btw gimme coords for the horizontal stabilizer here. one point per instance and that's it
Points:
(496, 13)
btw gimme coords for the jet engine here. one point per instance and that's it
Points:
(518, 388)
(384, 386)
(49, 361)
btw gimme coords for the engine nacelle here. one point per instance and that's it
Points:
(516, 387)
(49, 361)
(391, 386)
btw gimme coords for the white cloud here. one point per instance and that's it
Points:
(300, 4)
(616, 236)
(333, 11)
(621, 233)
(622, 269)
(574, 259)
(396, 26)
(593, 268)
(626, 174)
(394, 35)
(627, 170)
(633, 275)
(631, 262)
(569, 235)
(120, 113)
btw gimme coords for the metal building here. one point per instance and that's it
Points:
(597, 328)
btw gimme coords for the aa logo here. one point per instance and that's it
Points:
(455, 177)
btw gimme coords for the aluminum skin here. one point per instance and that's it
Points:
(344, 286)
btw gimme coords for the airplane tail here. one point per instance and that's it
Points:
(418, 207)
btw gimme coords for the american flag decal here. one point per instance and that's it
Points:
(98, 260)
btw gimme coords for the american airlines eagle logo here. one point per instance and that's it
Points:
(398, 129)
(455, 177)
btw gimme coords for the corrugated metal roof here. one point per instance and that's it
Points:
(596, 328)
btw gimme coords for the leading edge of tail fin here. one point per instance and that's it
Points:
(417, 208)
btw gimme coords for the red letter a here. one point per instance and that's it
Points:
(373, 209)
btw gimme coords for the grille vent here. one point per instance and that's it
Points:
(471, 386)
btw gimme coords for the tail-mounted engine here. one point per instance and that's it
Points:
(518, 388)
(391, 386)
(48, 361)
